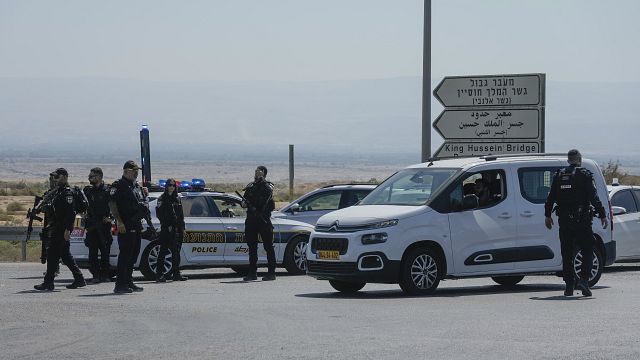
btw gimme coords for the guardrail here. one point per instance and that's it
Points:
(19, 233)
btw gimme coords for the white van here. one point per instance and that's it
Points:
(426, 223)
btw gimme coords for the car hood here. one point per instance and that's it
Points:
(365, 214)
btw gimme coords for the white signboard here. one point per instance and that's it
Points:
(465, 149)
(491, 90)
(489, 123)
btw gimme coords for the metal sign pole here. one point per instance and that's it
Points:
(426, 84)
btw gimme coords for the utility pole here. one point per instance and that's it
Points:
(426, 83)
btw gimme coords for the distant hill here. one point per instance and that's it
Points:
(231, 120)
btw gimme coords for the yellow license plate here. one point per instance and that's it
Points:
(329, 254)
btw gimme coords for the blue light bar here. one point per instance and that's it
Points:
(162, 182)
(197, 182)
(185, 184)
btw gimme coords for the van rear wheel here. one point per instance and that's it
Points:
(346, 287)
(421, 272)
(507, 280)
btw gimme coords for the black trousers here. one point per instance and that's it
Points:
(255, 226)
(59, 249)
(99, 240)
(169, 242)
(576, 236)
(129, 245)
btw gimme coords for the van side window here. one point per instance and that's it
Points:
(478, 190)
(535, 183)
(624, 198)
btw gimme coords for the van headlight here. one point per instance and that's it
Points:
(383, 224)
(376, 238)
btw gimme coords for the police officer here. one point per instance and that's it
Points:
(128, 206)
(98, 225)
(573, 190)
(169, 212)
(258, 197)
(46, 226)
(61, 216)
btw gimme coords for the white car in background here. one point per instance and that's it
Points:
(311, 206)
(625, 202)
(215, 238)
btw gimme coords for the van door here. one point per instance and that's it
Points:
(482, 222)
(540, 246)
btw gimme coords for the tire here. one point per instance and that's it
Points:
(149, 259)
(346, 287)
(295, 257)
(240, 270)
(421, 272)
(508, 280)
(596, 268)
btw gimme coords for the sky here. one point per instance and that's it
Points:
(66, 64)
(300, 40)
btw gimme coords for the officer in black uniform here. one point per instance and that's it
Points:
(61, 217)
(98, 225)
(573, 190)
(258, 197)
(46, 226)
(128, 205)
(169, 212)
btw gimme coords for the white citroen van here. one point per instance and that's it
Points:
(457, 218)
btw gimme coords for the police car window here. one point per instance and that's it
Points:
(487, 188)
(229, 207)
(196, 206)
(325, 201)
(625, 199)
(535, 183)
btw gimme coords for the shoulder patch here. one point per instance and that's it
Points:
(70, 199)
(112, 191)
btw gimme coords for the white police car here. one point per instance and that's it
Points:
(426, 223)
(311, 206)
(625, 201)
(215, 238)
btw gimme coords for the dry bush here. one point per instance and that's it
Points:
(15, 207)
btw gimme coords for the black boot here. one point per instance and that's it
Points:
(178, 277)
(44, 287)
(269, 277)
(160, 278)
(568, 289)
(250, 277)
(135, 287)
(77, 283)
(584, 287)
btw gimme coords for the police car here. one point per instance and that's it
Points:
(214, 238)
(625, 201)
(428, 222)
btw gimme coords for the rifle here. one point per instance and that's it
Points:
(32, 215)
(249, 205)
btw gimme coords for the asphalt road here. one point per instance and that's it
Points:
(214, 315)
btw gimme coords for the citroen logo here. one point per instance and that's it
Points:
(334, 226)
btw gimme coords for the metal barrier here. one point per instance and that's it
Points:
(19, 233)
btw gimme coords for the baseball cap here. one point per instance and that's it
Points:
(59, 171)
(131, 165)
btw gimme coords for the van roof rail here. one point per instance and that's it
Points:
(495, 157)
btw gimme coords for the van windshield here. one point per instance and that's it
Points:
(409, 187)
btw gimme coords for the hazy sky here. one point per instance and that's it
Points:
(293, 40)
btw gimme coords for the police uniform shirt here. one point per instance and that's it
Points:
(129, 200)
(582, 189)
(98, 197)
(169, 212)
(64, 214)
(258, 194)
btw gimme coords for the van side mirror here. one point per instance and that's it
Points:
(294, 208)
(618, 210)
(470, 202)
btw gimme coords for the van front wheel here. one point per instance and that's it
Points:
(421, 272)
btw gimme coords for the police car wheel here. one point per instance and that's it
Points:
(149, 260)
(596, 267)
(421, 272)
(295, 258)
(346, 287)
(507, 280)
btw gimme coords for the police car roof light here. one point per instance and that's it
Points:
(197, 182)
(162, 182)
(185, 184)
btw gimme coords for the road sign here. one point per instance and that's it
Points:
(465, 149)
(491, 90)
(489, 123)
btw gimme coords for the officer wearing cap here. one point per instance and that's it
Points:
(98, 225)
(169, 212)
(61, 216)
(573, 190)
(258, 197)
(128, 206)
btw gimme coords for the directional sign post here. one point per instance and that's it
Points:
(491, 114)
